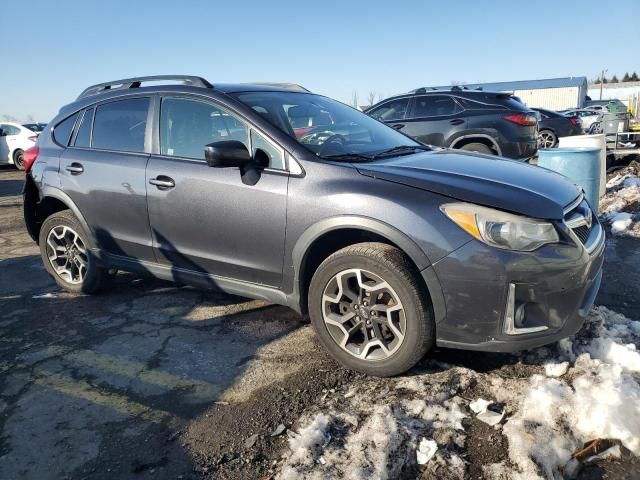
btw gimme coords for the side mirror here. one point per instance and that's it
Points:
(2, 133)
(228, 153)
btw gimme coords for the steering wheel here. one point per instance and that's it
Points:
(336, 138)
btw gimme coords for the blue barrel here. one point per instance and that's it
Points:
(581, 165)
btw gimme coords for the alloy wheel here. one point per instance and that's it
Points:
(67, 254)
(546, 140)
(363, 314)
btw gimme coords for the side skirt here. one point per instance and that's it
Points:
(198, 279)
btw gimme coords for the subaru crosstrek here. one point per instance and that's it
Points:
(391, 247)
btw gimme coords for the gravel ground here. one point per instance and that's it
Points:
(153, 380)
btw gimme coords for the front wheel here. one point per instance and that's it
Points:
(66, 255)
(370, 310)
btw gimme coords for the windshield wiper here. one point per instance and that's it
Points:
(399, 150)
(351, 157)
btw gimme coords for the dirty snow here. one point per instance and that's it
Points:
(620, 207)
(582, 388)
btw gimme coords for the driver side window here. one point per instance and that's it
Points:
(187, 126)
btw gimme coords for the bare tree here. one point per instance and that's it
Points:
(354, 100)
(9, 118)
(371, 98)
(31, 118)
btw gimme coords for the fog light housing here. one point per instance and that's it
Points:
(514, 318)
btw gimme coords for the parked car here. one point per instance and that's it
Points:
(473, 120)
(611, 105)
(587, 117)
(390, 246)
(14, 140)
(35, 127)
(553, 125)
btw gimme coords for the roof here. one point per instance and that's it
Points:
(526, 84)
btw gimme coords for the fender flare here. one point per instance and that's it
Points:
(58, 194)
(406, 244)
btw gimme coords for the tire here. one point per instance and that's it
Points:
(477, 147)
(65, 225)
(547, 139)
(18, 159)
(377, 263)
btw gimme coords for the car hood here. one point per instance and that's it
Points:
(482, 179)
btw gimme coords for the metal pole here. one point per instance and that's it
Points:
(601, 82)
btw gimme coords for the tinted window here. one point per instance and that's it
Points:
(10, 130)
(187, 126)
(434, 106)
(62, 132)
(276, 156)
(393, 110)
(83, 137)
(121, 125)
(327, 128)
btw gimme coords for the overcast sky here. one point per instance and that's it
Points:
(53, 50)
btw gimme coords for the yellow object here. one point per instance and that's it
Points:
(466, 220)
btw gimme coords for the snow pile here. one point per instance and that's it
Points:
(620, 207)
(602, 400)
(389, 428)
(578, 390)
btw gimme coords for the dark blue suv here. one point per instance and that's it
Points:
(472, 120)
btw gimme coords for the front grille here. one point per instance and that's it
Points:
(582, 222)
(582, 232)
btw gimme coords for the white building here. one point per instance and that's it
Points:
(551, 93)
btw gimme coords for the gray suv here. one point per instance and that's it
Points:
(272, 192)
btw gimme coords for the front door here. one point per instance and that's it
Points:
(103, 171)
(433, 119)
(206, 219)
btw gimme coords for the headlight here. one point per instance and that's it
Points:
(501, 229)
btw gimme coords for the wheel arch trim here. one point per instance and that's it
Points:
(407, 245)
(58, 194)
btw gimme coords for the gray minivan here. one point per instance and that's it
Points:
(273, 192)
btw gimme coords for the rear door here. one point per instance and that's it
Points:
(206, 219)
(103, 171)
(433, 119)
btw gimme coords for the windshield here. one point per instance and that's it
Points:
(328, 128)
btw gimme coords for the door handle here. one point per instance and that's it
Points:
(457, 121)
(74, 169)
(162, 182)
(398, 126)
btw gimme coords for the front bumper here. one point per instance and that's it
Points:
(482, 287)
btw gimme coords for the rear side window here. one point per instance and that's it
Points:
(83, 137)
(435, 106)
(121, 125)
(392, 110)
(62, 132)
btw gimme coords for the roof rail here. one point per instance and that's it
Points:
(135, 82)
(288, 86)
(453, 88)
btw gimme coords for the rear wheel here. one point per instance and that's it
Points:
(18, 159)
(477, 147)
(547, 139)
(370, 311)
(66, 255)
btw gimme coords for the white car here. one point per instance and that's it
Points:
(587, 116)
(14, 140)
